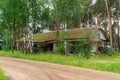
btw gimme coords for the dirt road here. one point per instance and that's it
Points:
(19, 69)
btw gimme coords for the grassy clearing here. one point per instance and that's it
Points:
(103, 63)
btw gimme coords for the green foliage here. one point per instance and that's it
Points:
(98, 7)
(38, 49)
(59, 49)
(82, 47)
(2, 76)
(104, 24)
(6, 38)
(63, 35)
(70, 11)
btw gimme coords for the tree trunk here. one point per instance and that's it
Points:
(12, 35)
(65, 38)
(11, 39)
(118, 29)
(24, 43)
(105, 27)
(118, 38)
(33, 23)
(32, 41)
(110, 25)
(58, 32)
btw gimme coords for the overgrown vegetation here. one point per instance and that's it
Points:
(82, 48)
(6, 38)
(104, 63)
(59, 49)
(71, 34)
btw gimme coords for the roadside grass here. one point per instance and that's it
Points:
(2, 76)
(103, 63)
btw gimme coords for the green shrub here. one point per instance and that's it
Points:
(83, 47)
(59, 48)
(6, 38)
(38, 49)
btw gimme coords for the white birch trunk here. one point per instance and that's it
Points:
(65, 42)
(24, 42)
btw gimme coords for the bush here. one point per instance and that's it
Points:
(38, 49)
(59, 49)
(83, 47)
(6, 38)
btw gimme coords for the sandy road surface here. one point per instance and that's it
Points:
(19, 69)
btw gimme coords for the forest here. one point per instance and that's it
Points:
(19, 18)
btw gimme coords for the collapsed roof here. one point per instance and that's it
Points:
(71, 34)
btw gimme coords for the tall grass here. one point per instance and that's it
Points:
(103, 63)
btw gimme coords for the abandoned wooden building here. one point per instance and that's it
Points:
(47, 41)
